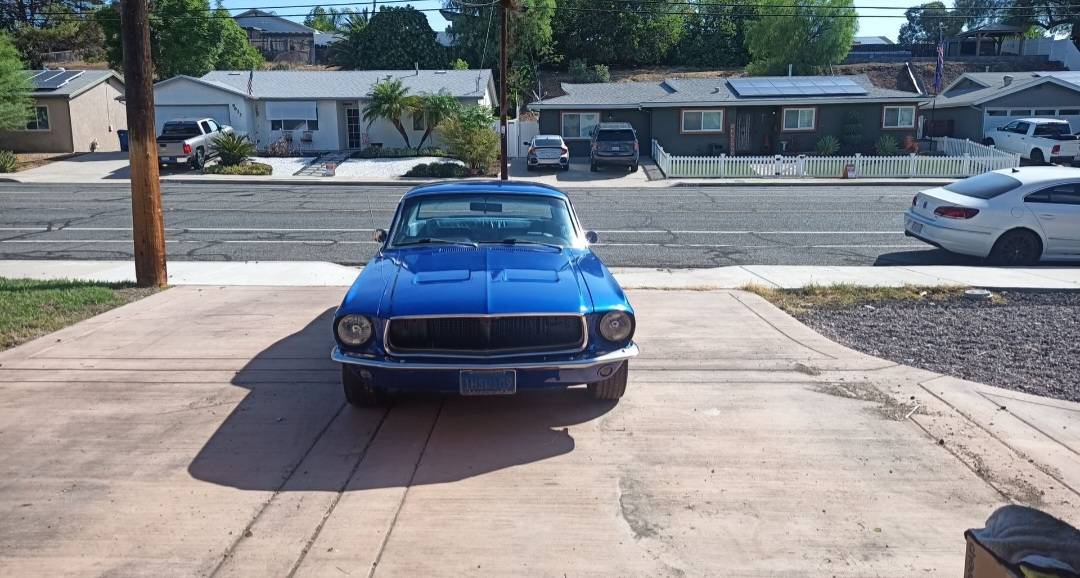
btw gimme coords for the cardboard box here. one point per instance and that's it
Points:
(982, 563)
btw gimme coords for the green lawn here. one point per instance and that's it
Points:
(30, 308)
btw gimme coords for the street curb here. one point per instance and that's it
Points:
(293, 182)
(823, 183)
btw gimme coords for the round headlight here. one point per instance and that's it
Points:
(354, 330)
(616, 326)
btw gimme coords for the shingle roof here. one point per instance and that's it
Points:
(673, 92)
(342, 84)
(995, 84)
(270, 22)
(86, 80)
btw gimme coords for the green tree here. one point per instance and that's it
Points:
(185, 38)
(235, 53)
(390, 100)
(319, 18)
(436, 108)
(607, 31)
(714, 34)
(929, 23)
(393, 38)
(810, 36)
(459, 64)
(347, 53)
(14, 88)
(469, 137)
(58, 30)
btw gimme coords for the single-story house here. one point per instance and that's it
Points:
(280, 39)
(319, 110)
(742, 116)
(979, 102)
(73, 109)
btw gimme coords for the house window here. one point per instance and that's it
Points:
(418, 121)
(796, 119)
(579, 125)
(1069, 112)
(997, 113)
(40, 120)
(702, 121)
(1044, 112)
(294, 124)
(1020, 112)
(898, 117)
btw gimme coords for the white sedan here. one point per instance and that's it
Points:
(1011, 216)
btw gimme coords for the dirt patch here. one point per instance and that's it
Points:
(635, 509)
(887, 406)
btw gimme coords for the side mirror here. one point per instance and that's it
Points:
(1001, 129)
(526, 143)
(379, 235)
(592, 237)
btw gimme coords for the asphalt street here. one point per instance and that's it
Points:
(676, 227)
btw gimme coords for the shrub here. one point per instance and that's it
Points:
(851, 132)
(251, 169)
(8, 162)
(581, 72)
(469, 136)
(279, 148)
(393, 153)
(233, 149)
(886, 146)
(460, 64)
(438, 170)
(827, 146)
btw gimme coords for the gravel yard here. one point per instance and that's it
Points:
(386, 168)
(284, 165)
(1021, 341)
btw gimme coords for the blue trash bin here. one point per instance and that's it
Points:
(123, 139)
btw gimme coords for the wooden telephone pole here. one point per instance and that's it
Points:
(147, 221)
(504, 7)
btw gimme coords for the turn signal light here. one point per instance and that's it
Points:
(956, 212)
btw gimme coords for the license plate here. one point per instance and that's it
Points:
(914, 227)
(486, 382)
(549, 154)
(617, 149)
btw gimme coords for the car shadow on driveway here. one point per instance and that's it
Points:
(294, 432)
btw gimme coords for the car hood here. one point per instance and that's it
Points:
(486, 280)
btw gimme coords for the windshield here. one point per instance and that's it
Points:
(483, 218)
(547, 142)
(984, 186)
(1053, 129)
(180, 129)
(615, 135)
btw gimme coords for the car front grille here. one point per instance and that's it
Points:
(507, 335)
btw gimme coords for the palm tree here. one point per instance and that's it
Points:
(390, 100)
(348, 52)
(435, 108)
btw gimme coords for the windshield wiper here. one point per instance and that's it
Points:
(527, 242)
(431, 241)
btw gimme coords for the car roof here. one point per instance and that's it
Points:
(1028, 175)
(614, 126)
(492, 187)
(548, 136)
(1042, 120)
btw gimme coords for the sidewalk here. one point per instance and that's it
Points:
(322, 274)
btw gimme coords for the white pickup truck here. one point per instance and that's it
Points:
(1039, 140)
(189, 141)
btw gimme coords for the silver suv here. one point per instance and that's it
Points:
(614, 143)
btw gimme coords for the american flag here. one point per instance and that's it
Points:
(939, 70)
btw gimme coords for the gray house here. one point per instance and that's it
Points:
(282, 40)
(979, 102)
(742, 116)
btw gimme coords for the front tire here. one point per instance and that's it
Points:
(613, 387)
(1016, 248)
(359, 392)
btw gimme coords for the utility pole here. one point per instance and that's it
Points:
(504, 173)
(147, 221)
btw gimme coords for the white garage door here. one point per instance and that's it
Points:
(996, 117)
(166, 112)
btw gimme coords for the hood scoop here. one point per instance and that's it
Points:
(448, 276)
(529, 276)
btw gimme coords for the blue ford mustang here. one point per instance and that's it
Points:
(483, 288)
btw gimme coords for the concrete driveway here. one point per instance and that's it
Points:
(202, 432)
(89, 168)
(579, 173)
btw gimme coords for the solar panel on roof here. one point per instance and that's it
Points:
(56, 80)
(796, 86)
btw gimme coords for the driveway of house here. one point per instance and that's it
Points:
(202, 431)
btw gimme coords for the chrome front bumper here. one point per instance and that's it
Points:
(340, 356)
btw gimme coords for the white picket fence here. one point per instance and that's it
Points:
(963, 158)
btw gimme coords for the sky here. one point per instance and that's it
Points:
(867, 26)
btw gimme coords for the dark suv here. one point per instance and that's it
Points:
(614, 143)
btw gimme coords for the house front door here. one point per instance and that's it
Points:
(753, 131)
(354, 134)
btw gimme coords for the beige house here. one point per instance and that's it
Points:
(73, 109)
